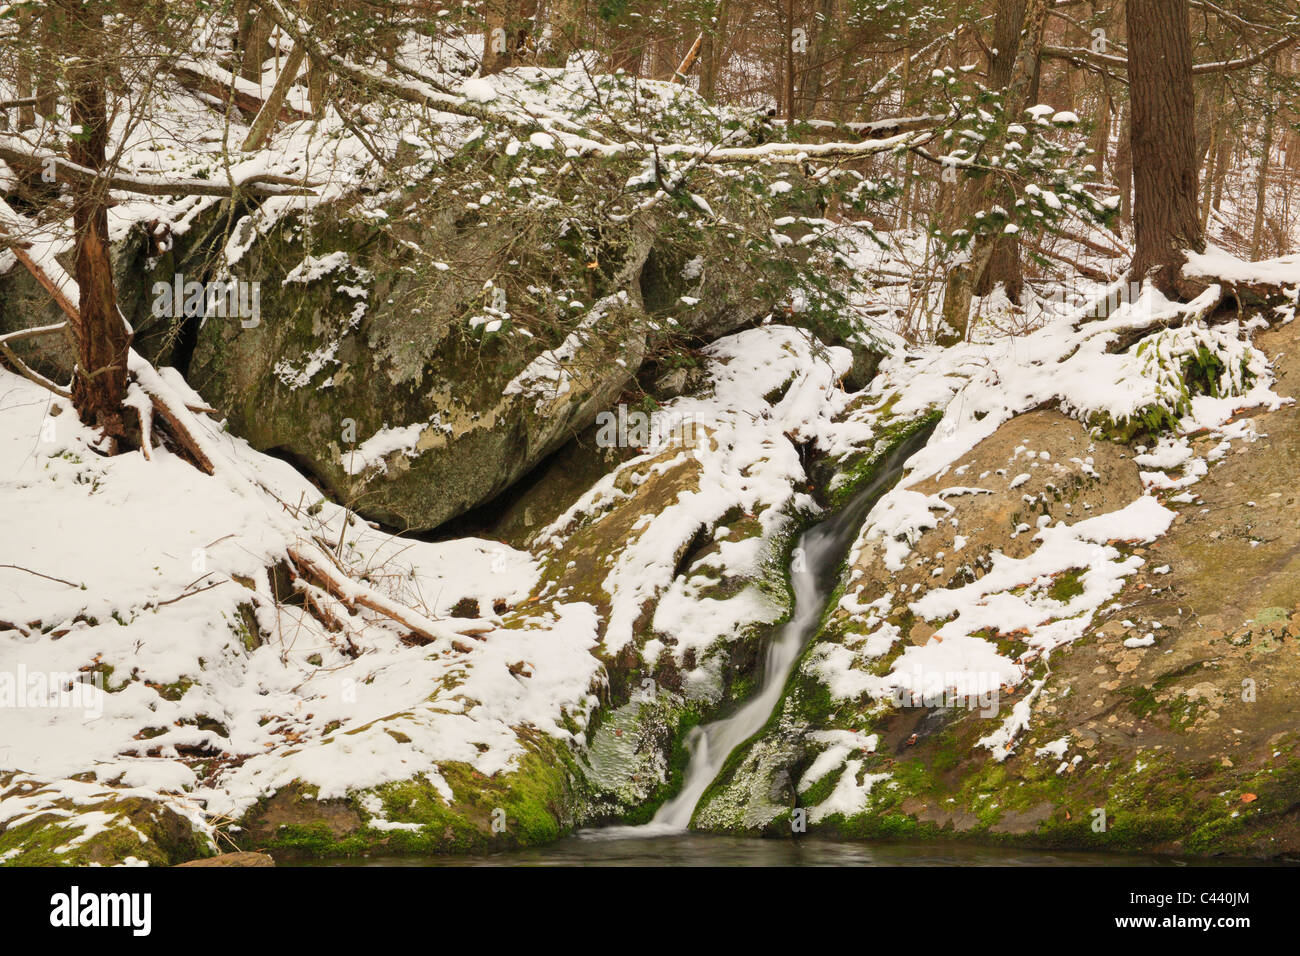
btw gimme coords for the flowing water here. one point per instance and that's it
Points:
(818, 556)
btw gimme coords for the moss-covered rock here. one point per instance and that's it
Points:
(110, 830)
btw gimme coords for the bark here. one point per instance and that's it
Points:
(103, 339)
(1163, 141)
(711, 51)
(506, 33)
(1261, 183)
(254, 40)
(1017, 38)
(264, 122)
(1124, 168)
(823, 31)
(23, 80)
(1222, 163)
(47, 90)
(688, 62)
(788, 98)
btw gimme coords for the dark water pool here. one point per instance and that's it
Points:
(594, 849)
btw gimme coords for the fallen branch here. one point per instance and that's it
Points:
(26, 371)
(18, 567)
(262, 184)
(353, 594)
(224, 86)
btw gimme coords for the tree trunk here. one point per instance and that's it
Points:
(23, 86)
(264, 122)
(1163, 141)
(1261, 182)
(254, 40)
(497, 48)
(103, 340)
(1017, 38)
(506, 35)
(1222, 163)
(823, 33)
(1124, 166)
(712, 50)
(789, 61)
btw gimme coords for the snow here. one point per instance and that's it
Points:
(387, 441)
(163, 608)
(478, 90)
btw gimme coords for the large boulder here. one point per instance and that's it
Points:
(417, 392)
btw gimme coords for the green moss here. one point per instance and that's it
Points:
(860, 469)
(1067, 586)
(532, 805)
(139, 828)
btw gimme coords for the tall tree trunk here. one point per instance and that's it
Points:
(1222, 163)
(254, 39)
(103, 341)
(498, 36)
(264, 122)
(1017, 37)
(712, 50)
(1261, 181)
(47, 90)
(23, 79)
(1100, 144)
(789, 105)
(905, 201)
(1124, 167)
(823, 33)
(1163, 141)
(1210, 158)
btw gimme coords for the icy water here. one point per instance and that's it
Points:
(700, 849)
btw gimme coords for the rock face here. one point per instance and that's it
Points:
(365, 372)
(1169, 723)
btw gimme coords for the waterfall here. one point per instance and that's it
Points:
(822, 549)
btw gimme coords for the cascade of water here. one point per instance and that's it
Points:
(822, 548)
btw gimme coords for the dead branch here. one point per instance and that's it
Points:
(262, 184)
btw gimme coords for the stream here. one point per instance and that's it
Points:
(668, 840)
(822, 549)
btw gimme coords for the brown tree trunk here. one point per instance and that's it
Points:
(264, 122)
(254, 40)
(1163, 141)
(506, 35)
(103, 340)
(1261, 184)
(23, 79)
(497, 48)
(1124, 167)
(711, 50)
(789, 104)
(1017, 37)
(47, 90)
(823, 33)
